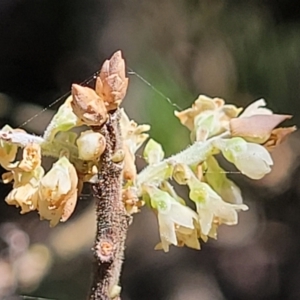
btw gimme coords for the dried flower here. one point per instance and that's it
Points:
(130, 200)
(277, 136)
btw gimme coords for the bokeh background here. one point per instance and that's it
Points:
(237, 50)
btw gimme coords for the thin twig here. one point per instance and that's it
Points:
(112, 219)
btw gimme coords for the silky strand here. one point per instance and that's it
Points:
(104, 156)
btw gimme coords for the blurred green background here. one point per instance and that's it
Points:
(237, 50)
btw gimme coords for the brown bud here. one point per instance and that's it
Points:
(112, 82)
(88, 106)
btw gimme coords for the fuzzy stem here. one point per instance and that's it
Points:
(195, 154)
(112, 219)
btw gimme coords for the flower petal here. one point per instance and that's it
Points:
(256, 128)
(256, 108)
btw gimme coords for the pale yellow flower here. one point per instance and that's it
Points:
(31, 158)
(58, 192)
(207, 117)
(210, 206)
(25, 175)
(25, 188)
(171, 214)
(251, 159)
(133, 137)
(8, 151)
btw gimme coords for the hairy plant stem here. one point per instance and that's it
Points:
(112, 219)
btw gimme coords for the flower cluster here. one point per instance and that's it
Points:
(244, 138)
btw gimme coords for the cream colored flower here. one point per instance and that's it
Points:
(251, 159)
(133, 134)
(8, 151)
(182, 173)
(25, 188)
(133, 137)
(31, 158)
(171, 214)
(256, 124)
(211, 208)
(25, 175)
(207, 117)
(58, 192)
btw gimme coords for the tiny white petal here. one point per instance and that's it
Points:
(182, 215)
(260, 151)
(205, 219)
(167, 229)
(256, 108)
(255, 162)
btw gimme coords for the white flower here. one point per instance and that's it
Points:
(251, 159)
(171, 214)
(211, 208)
